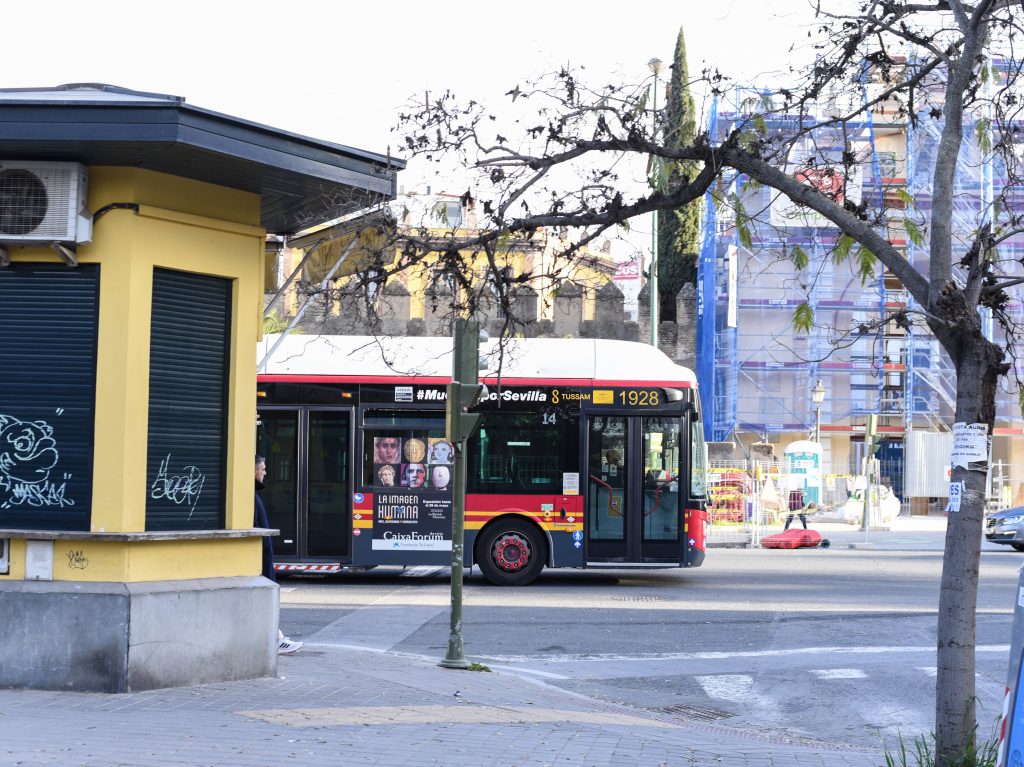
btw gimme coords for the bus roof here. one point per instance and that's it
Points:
(563, 361)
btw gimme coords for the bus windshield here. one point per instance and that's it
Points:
(699, 462)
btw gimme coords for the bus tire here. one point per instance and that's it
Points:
(511, 552)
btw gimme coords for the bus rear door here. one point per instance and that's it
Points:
(308, 484)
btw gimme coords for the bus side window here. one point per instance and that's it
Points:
(522, 453)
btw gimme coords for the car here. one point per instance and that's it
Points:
(1006, 526)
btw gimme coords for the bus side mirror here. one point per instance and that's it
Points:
(673, 395)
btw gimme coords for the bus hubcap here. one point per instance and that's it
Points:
(511, 551)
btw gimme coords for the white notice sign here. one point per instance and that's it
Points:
(570, 483)
(39, 560)
(970, 443)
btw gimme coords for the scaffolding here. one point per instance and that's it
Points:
(757, 373)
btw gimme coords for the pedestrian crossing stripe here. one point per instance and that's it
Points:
(838, 673)
(738, 687)
(423, 571)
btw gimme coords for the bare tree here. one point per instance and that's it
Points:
(352, 271)
(563, 160)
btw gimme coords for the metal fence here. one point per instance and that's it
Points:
(1005, 486)
(749, 499)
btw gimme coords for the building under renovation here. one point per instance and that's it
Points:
(757, 374)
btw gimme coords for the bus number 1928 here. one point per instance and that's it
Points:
(640, 398)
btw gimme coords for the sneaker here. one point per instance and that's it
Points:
(288, 646)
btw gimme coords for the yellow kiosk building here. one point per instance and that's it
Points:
(132, 230)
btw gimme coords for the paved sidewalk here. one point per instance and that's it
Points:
(335, 706)
(906, 533)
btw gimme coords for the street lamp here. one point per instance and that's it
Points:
(818, 397)
(655, 66)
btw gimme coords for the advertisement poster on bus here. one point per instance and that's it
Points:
(409, 519)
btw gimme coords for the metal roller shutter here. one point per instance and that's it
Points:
(188, 376)
(49, 316)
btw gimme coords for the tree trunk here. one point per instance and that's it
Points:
(978, 368)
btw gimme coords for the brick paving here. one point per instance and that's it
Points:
(333, 706)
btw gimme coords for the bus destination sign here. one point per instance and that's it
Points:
(520, 396)
(616, 397)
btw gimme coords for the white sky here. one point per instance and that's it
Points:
(338, 70)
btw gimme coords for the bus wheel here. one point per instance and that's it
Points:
(512, 553)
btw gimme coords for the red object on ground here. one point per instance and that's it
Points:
(792, 539)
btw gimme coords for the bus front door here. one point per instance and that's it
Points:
(633, 505)
(308, 485)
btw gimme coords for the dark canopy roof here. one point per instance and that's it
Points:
(302, 181)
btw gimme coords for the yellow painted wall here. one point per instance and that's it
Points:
(537, 259)
(328, 246)
(417, 280)
(194, 227)
(139, 561)
(16, 562)
(155, 560)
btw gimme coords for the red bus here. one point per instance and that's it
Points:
(589, 453)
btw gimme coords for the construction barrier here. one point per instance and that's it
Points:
(747, 498)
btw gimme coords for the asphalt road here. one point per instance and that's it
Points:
(833, 644)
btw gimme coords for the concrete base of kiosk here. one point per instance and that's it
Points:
(124, 637)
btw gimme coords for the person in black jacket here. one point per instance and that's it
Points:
(796, 508)
(261, 519)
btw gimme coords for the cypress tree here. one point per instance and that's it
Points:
(678, 230)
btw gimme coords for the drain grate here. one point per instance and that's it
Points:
(700, 713)
(640, 598)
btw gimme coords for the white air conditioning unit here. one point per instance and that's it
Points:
(43, 202)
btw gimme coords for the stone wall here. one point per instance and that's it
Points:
(351, 313)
